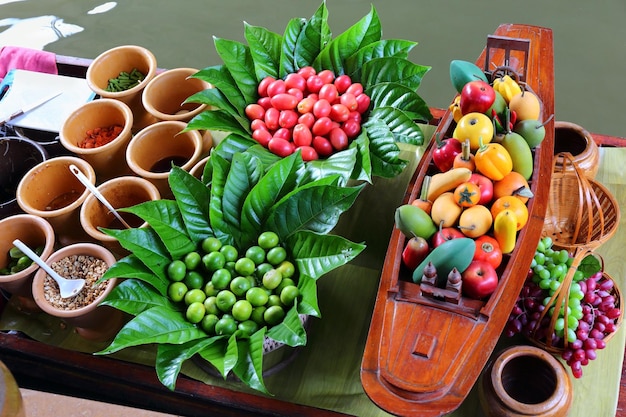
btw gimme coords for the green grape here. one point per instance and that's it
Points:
(541, 246)
(578, 276)
(544, 284)
(554, 285)
(572, 322)
(545, 274)
(539, 258)
(562, 256)
(571, 335)
(559, 325)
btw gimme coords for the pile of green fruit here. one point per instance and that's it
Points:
(17, 261)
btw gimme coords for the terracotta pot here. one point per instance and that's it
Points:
(18, 156)
(93, 322)
(11, 404)
(120, 192)
(150, 152)
(198, 169)
(110, 63)
(107, 160)
(525, 381)
(572, 138)
(51, 191)
(35, 232)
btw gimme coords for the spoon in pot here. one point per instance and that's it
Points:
(67, 287)
(85, 181)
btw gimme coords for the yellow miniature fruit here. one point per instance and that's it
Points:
(526, 105)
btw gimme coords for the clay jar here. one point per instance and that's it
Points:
(572, 138)
(35, 232)
(107, 160)
(110, 63)
(120, 192)
(18, 156)
(51, 191)
(151, 152)
(525, 381)
(92, 321)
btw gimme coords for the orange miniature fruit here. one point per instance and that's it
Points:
(513, 184)
(467, 194)
(515, 205)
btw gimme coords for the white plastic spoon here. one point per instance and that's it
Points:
(85, 181)
(67, 287)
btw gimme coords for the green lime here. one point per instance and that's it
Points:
(262, 269)
(230, 265)
(176, 291)
(245, 266)
(225, 326)
(272, 278)
(192, 260)
(195, 296)
(213, 261)
(257, 315)
(285, 282)
(287, 269)
(257, 296)
(208, 323)
(257, 254)
(230, 253)
(221, 278)
(195, 312)
(289, 294)
(242, 309)
(211, 244)
(176, 270)
(276, 255)
(225, 300)
(210, 303)
(194, 279)
(248, 327)
(274, 315)
(239, 285)
(267, 240)
(209, 289)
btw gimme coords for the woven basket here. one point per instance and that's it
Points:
(581, 212)
(560, 299)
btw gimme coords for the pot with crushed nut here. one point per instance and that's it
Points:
(81, 260)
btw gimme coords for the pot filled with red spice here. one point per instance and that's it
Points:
(99, 132)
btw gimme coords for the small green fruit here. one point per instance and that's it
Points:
(533, 131)
(413, 221)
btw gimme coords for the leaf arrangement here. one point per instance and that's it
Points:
(381, 66)
(241, 198)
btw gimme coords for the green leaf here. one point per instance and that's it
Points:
(308, 296)
(401, 126)
(238, 60)
(215, 355)
(313, 37)
(215, 98)
(363, 162)
(245, 171)
(156, 325)
(133, 296)
(170, 358)
(401, 97)
(131, 267)
(271, 187)
(384, 151)
(290, 331)
(192, 198)
(221, 79)
(288, 51)
(317, 254)
(264, 49)
(364, 32)
(340, 163)
(314, 206)
(590, 265)
(219, 120)
(249, 367)
(392, 69)
(219, 173)
(146, 245)
(379, 49)
(166, 220)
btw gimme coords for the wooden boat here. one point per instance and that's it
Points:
(423, 355)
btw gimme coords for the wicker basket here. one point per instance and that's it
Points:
(559, 299)
(581, 212)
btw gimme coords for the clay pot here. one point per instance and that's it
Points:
(151, 151)
(120, 192)
(107, 160)
(525, 381)
(110, 63)
(198, 169)
(18, 156)
(51, 191)
(572, 138)
(34, 231)
(93, 322)
(11, 404)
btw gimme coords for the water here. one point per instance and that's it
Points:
(589, 37)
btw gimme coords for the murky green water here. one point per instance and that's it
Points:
(589, 37)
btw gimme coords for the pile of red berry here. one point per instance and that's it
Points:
(316, 113)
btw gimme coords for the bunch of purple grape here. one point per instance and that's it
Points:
(592, 313)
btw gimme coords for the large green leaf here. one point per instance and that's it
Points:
(238, 60)
(308, 292)
(192, 198)
(223, 81)
(290, 331)
(265, 50)
(392, 69)
(214, 354)
(288, 51)
(219, 120)
(249, 367)
(385, 153)
(317, 254)
(380, 49)
(156, 325)
(402, 127)
(363, 161)
(132, 267)
(313, 37)
(395, 95)
(133, 297)
(219, 173)
(341, 164)
(216, 99)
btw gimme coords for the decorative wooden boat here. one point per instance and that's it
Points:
(423, 355)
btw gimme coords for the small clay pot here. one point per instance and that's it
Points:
(18, 156)
(120, 192)
(525, 381)
(572, 138)
(34, 231)
(152, 150)
(198, 169)
(50, 190)
(108, 160)
(93, 322)
(110, 63)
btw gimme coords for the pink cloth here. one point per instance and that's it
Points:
(14, 57)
